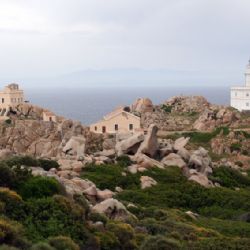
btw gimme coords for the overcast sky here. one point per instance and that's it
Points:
(43, 38)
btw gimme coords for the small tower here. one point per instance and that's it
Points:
(247, 74)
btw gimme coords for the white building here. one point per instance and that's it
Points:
(240, 96)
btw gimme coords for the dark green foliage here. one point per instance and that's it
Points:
(8, 121)
(42, 246)
(123, 161)
(110, 176)
(38, 187)
(167, 108)
(235, 147)
(160, 243)
(7, 176)
(206, 137)
(48, 164)
(108, 241)
(31, 162)
(13, 177)
(231, 178)
(63, 243)
(22, 160)
(95, 217)
(220, 243)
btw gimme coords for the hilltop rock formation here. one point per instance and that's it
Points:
(142, 105)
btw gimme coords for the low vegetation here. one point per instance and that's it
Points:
(36, 214)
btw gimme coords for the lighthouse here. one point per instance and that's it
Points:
(240, 96)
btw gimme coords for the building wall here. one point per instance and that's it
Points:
(11, 97)
(49, 118)
(122, 120)
(240, 98)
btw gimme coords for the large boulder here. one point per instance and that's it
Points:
(201, 161)
(181, 143)
(142, 105)
(150, 144)
(147, 182)
(173, 160)
(200, 178)
(75, 146)
(129, 145)
(113, 209)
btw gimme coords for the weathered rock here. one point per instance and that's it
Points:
(184, 154)
(150, 144)
(129, 145)
(5, 153)
(146, 162)
(75, 146)
(104, 194)
(113, 209)
(181, 143)
(173, 160)
(142, 105)
(200, 178)
(166, 151)
(147, 182)
(201, 161)
(132, 169)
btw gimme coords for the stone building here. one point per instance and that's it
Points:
(118, 121)
(49, 116)
(10, 97)
(240, 96)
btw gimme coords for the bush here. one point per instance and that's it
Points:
(231, 178)
(38, 187)
(22, 160)
(12, 234)
(235, 147)
(42, 246)
(107, 240)
(95, 217)
(48, 164)
(63, 243)
(124, 161)
(160, 243)
(7, 176)
(167, 108)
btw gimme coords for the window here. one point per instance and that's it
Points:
(95, 128)
(247, 94)
(247, 104)
(235, 93)
(116, 127)
(131, 127)
(103, 129)
(2, 100)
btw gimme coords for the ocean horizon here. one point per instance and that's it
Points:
(89, 105)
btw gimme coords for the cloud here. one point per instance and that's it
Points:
(55, 37)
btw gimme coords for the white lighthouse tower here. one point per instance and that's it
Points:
(240, 96)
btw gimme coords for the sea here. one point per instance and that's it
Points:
(89, 105)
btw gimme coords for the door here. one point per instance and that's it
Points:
(103, 129)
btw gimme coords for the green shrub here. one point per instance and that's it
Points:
(42, 246)
(231, 178)
(160, 243)
(7, 176)
(110, 176)
(107, 240)
(22, 160)
(38, 187)
(6, 247)
(167, 108)
(125, 234)
(123, 161)
(235, 147)
(95, 217)
(63, 243)
(12, 233)
(48, 164)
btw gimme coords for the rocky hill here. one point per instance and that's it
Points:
(184, 184)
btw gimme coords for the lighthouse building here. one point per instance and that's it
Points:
(240, 96)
